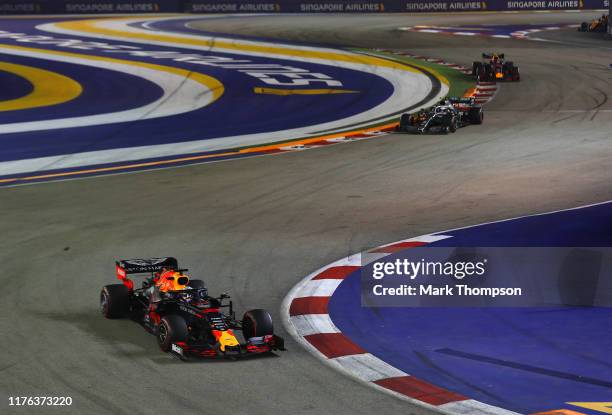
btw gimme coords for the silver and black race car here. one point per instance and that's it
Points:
(445, 117)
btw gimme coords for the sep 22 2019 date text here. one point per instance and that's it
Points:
(39, 401)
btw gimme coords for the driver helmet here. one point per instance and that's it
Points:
(172, 281)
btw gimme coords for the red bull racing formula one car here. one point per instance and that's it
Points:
(180, 313)
(495, 68)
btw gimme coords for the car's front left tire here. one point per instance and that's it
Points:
(172, 329)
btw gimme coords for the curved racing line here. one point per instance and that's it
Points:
(42, 88)
(529, 363)
(372, 91)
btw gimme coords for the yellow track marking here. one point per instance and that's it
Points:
(195, 158)
(604, 407)
(277, 91)
(90, 26)
(50, 88)
(211, 83)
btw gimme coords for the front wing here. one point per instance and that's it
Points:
(415, 129)
(253, 347)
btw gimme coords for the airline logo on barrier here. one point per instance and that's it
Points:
(543, 4)
(445, 6)
(341, 7)
(212, 7)
(50, 7)
(109, 7)
(19, 8)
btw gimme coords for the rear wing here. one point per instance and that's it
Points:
(139, 266)
(490, 55)
(125, 267)
(463, 100)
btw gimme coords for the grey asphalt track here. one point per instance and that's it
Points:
(255, 227)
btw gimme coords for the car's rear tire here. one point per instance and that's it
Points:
(257, 323)
(172, 329)
(476, 68)
(454, 124)
(405, 121)
(115, 301)
(476, 115)
(488, 72)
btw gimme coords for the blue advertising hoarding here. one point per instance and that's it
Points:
(369, 6)
(287, 6)
(89, 6)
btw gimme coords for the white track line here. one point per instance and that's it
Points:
(180, 95)
(409, 88)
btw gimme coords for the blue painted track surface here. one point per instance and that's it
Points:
(231, 115)
(523, 359)
(13, 86)
(104, 91)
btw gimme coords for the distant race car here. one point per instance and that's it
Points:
(494, 68)
(596, 25)
(180, 313)
(443, 118)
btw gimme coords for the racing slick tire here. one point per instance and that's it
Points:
(405, 121)
(486, 73)
(115, 301)
(257, 323)
(476, 115)
(454, 124)
(511, 72)
(476, 69)
(196, 284)
(172, 329)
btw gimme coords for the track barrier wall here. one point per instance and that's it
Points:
(288, 6)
